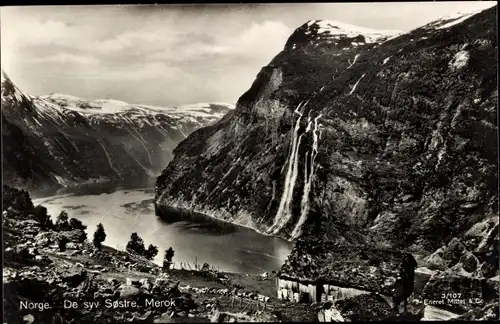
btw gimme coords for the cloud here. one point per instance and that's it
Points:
(22, 33)
(67, 58)
(169, 54)
(147, 71)
(264, 39)
(139, 39)
(269, 35)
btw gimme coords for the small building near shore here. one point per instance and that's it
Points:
(318, 271)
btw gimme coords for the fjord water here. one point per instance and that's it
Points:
(226, 246)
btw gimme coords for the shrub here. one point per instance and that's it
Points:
(136, 244)
(62, 222)
(41, 215)
(167, 260)
(99, 236)
(20, 200)
(151, 252)
(76, 224)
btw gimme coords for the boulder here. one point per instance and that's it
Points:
(73, 246)
(74, 276)
(44, 239)
(486, 270)
(163, 318)
(28, 223)
(145, 284)
(165, 288)
(148, 316)
(216, 317)
(43, 259)
(127, 291)
(435, 261)
(9, 253)
(75, 236)
(28, 319)
(33, 251)
(132, 282)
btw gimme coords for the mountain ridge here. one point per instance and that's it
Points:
(120, 142)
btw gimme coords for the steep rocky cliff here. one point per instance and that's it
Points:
(60, 140)
(350, 130)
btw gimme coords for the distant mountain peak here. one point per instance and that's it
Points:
(331, 32)
(63, 140)
(9, 90)
(334, 28)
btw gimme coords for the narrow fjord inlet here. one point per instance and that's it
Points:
(228, 163)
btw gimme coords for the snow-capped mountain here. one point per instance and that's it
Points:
(63, 140)
(330, 34)
(119, 112)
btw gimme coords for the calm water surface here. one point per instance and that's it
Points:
(232, 248)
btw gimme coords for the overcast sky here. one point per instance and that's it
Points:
(171, 55)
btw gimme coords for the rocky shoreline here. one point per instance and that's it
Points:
(242, 218)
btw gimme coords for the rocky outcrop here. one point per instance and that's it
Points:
(45, 286)
(63, 141)
(395, 135)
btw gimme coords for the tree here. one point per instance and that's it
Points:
(62, 243)
(62, 221)
(151, 252)
(99, 236)
(41, 215)
(76, 224)
(167, 260)
(17, 199)
(136, 244)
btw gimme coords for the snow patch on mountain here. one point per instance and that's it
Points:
(452, 19)
(335, 29)
(111, 106)
(460, 60)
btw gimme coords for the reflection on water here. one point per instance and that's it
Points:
(195, 222)
(192, 236)
(95, 188)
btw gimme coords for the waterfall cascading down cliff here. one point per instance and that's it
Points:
(141, 140)
(304, 207)
(109, 159)
(283, 215)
